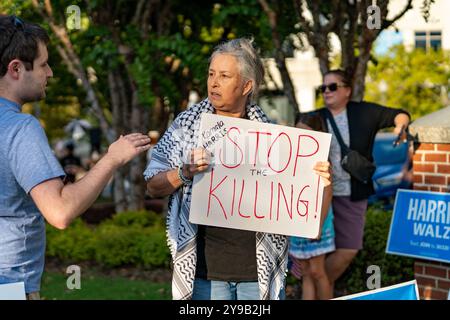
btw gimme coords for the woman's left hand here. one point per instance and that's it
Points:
(323, 169)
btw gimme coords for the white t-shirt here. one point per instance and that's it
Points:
(341, 178)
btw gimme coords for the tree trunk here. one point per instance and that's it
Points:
(118, 103)
(280, 58)
(348, 20)
(324, 59)
(119, 194)
(288, 86)
(74, 65)
(359, 76)
(139, 123)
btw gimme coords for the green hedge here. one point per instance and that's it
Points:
(129, 238)
(75, 244)
(138, 238)
(394, 269)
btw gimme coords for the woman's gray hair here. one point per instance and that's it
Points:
(250, 64)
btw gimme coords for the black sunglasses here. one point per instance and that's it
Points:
(18, 25)
(332, 87)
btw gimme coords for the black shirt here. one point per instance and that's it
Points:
(226, 254)
(364, 121)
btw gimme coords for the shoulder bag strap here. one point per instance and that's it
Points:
(344, 148)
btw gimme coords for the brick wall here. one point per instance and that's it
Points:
(431, 167)
(431, 172)
(433, 279)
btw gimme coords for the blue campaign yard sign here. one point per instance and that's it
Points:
(403, 291)
(420, 225)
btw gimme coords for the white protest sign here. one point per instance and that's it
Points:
(261, 177)
(12, 291)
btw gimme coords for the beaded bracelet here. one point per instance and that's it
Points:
(182, 177)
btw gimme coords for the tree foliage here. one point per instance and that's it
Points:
(350, 21)
(133, 64)
(417, 81)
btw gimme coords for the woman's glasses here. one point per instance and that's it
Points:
(18, 25)
(332, 87)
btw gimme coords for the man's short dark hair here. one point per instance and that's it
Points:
(19, 40)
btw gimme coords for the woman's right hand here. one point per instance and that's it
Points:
(199, 160)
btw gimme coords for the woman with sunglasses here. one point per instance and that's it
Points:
(357, 123)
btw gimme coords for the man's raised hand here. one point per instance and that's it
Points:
(127, 147)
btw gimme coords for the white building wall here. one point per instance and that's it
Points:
(413, 21)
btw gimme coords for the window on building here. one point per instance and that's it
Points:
(428, 40)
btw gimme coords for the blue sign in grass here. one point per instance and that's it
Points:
(420, 225)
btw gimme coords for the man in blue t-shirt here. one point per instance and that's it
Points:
(31, 189)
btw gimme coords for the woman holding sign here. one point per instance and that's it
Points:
(213, 262)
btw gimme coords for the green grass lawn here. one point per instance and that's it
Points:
(98, 287)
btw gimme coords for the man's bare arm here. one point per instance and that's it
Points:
(60, 203)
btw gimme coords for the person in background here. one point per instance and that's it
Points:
(307, 256)
(71, 164)
(358, 123)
